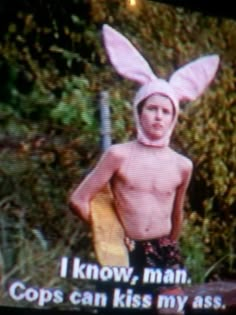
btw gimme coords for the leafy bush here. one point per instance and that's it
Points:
(53, 67)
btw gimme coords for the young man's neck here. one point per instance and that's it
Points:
(153, 147)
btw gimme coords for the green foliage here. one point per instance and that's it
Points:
(76, 106)
(52, 68)
(193, 247)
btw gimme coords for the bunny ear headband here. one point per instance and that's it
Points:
(185, 84)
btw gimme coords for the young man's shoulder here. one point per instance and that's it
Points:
(184, 162)
(121, 149)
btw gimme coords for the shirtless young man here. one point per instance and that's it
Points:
(147, 178)
(148, 183)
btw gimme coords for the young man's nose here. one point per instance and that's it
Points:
(158, 115)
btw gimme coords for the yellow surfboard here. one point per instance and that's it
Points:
(108, 233)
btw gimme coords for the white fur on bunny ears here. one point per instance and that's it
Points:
(185, 84)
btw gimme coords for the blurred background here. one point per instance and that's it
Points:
(52, 69)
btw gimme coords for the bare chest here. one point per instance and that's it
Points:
(151, 174)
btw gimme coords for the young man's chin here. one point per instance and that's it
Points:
(156, 136)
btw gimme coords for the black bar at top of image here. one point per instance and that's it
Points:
(208, 7)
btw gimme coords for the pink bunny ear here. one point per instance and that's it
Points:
(125, 58)
(190, 81)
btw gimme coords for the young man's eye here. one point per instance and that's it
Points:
(166, 111)
(151, 108)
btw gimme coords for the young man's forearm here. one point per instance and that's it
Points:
(177, 222)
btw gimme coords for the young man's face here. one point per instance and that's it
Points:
(156, 116)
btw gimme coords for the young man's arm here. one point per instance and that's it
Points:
(177, 215)
(80, 199)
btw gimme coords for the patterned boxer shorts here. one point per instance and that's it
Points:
(156, 253)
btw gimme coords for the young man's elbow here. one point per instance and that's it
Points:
(79, 206)
(73, 205)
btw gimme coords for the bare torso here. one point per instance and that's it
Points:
(144, 189)
(148, 184)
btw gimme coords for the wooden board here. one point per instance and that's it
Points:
(108, 233)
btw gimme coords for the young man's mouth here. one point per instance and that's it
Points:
(157, 125)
